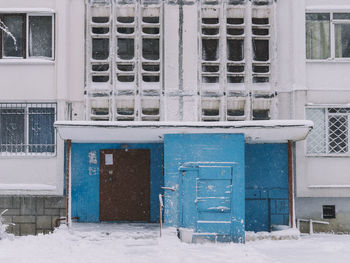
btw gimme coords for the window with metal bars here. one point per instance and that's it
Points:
(330, 135)
(27, 129)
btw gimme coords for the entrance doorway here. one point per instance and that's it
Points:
(125, 185)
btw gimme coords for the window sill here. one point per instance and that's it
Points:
(27, 61)
(27, 156)
(332, 61)
(328, 155)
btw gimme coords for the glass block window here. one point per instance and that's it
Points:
(27, 129)
(330, 135)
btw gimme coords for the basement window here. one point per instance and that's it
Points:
(328, 211)
(29, 36)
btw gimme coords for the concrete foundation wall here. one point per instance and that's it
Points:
(307, 208)
(32, 215)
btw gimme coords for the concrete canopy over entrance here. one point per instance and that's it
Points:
(142, 132)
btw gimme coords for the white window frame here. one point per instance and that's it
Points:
(326, 122)
(26, 56)
(26, 106)
(325, 10)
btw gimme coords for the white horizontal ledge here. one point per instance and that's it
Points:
(330, 186)
(138, 132)
(26, 61)
(28, 10)
(28, 187)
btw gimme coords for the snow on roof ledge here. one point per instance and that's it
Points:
(142, 132)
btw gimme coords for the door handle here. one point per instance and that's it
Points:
(168, 188)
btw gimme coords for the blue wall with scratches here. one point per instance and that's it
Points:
(86, 178)
(266, 185)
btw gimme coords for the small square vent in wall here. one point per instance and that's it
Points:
(328, 211)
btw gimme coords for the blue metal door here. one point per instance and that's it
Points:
(210, 200)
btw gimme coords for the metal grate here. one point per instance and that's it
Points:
(330, 135)
(338, 134)
(27, 129)
(316, 140)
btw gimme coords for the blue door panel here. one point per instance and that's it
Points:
(257, 216)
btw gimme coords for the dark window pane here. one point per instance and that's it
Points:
(40, 36)
(12, 130)
(125, 30)
(210, 21)
(342, 40)
(151, 30)
(235, 112)
(235, 79)
(210, 49)
(260, 21)
(125, 67)
(345, 16)
(128, 78)
(100, 19)
(210, 31)
(126, 48)
(150, 78)
(317, 17)
(150, 67)
(150, 48)
(13, 45)
(234, 68)
(235, 31)
(41, 130)
(100, 78)
(100, 48)
(261, 69)
(210, 79)
(261, 115)
(260, 31)
(235, 21)
(261, 50)
(210, 68)
(261, 79)
(151, 19)
(235, 50)
(125, 19)
(100, 30)
(100, 67)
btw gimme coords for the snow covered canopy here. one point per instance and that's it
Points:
(270, 131)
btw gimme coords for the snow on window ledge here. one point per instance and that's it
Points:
(31, 61)
(28, 187)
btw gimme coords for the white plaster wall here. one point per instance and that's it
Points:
(29, 80)
(190, 62)
(171, 61)
(326, 82)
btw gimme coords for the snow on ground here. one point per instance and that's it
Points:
(141, 243)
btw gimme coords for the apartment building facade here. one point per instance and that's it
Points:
(147, 76)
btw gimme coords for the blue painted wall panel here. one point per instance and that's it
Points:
(266, 168)
(86, 180)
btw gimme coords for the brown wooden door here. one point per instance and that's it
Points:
(125, 185)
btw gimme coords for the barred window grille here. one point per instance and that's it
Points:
(27, 129)
(330, 135)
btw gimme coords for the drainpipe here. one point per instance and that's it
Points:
(68, 184)
(290, 184)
